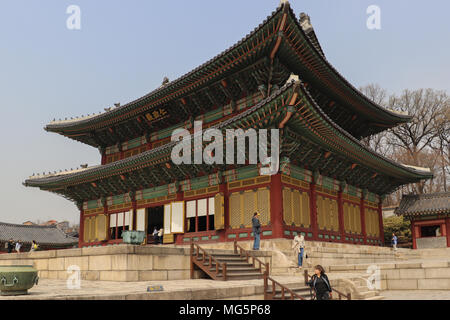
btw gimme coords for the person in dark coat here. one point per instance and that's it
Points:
(256, 226)
(10, 245)
(320, 283)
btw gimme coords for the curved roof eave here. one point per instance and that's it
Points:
(422, 173)
(90, 121)
(401, 118)
(60, 126)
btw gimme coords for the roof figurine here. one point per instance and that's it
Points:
(165, 82)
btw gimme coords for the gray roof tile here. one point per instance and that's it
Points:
(44, 235)
(424, 204)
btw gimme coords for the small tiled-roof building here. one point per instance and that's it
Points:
(48, 237)
(430, 219)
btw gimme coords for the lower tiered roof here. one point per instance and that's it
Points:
(310, 139)
(424, 204)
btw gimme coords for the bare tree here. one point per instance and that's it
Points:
(378, 142)
(422, 142)
(442, 146)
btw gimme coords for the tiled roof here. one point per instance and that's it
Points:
(343, 88)
(43, 235)
(424, 204)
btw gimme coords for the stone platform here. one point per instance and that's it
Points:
(136, 267)
(199, 289)
(125, 263)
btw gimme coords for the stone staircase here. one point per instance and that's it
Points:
(238, 268)
(224, 265)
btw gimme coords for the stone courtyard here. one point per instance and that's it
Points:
(124, 272)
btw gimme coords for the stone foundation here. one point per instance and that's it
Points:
(110, 263)
(420, 275)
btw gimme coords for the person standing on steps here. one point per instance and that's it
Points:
(256, 226)
(160, 236)
(394, 241)
(18, 246)
(320, 283)
(10, 247)
(298, 245)
(34, 246)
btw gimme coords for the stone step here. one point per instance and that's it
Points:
(231, 264)
(244, 276)
(296, 288)
(288, 297)
(239, 270)
(226, 259)
(366, 294)
(375, 298)
(226, 255)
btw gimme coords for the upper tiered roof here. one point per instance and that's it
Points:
(311, 139)
(261, 62)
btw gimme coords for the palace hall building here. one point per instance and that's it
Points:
(329, 186)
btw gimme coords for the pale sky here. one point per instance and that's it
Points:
(125, 48)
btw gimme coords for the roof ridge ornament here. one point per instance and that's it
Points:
(165, 82)
(305, 22)
(283, 2)
(293, 78)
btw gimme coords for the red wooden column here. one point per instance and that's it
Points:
(447, 227)
(121, 151)
(108, 223)
(178, 238)
(363, 219)
(341, 215)
(414, 234)
(313, 206)
(276, 206)
(223, 189)
(380, 217)
(81, 232)
(134, 208)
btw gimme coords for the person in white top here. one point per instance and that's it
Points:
(298, 245)
(160, 235)
(18, 246)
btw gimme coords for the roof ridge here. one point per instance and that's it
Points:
(428, 195)
(28, 226)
